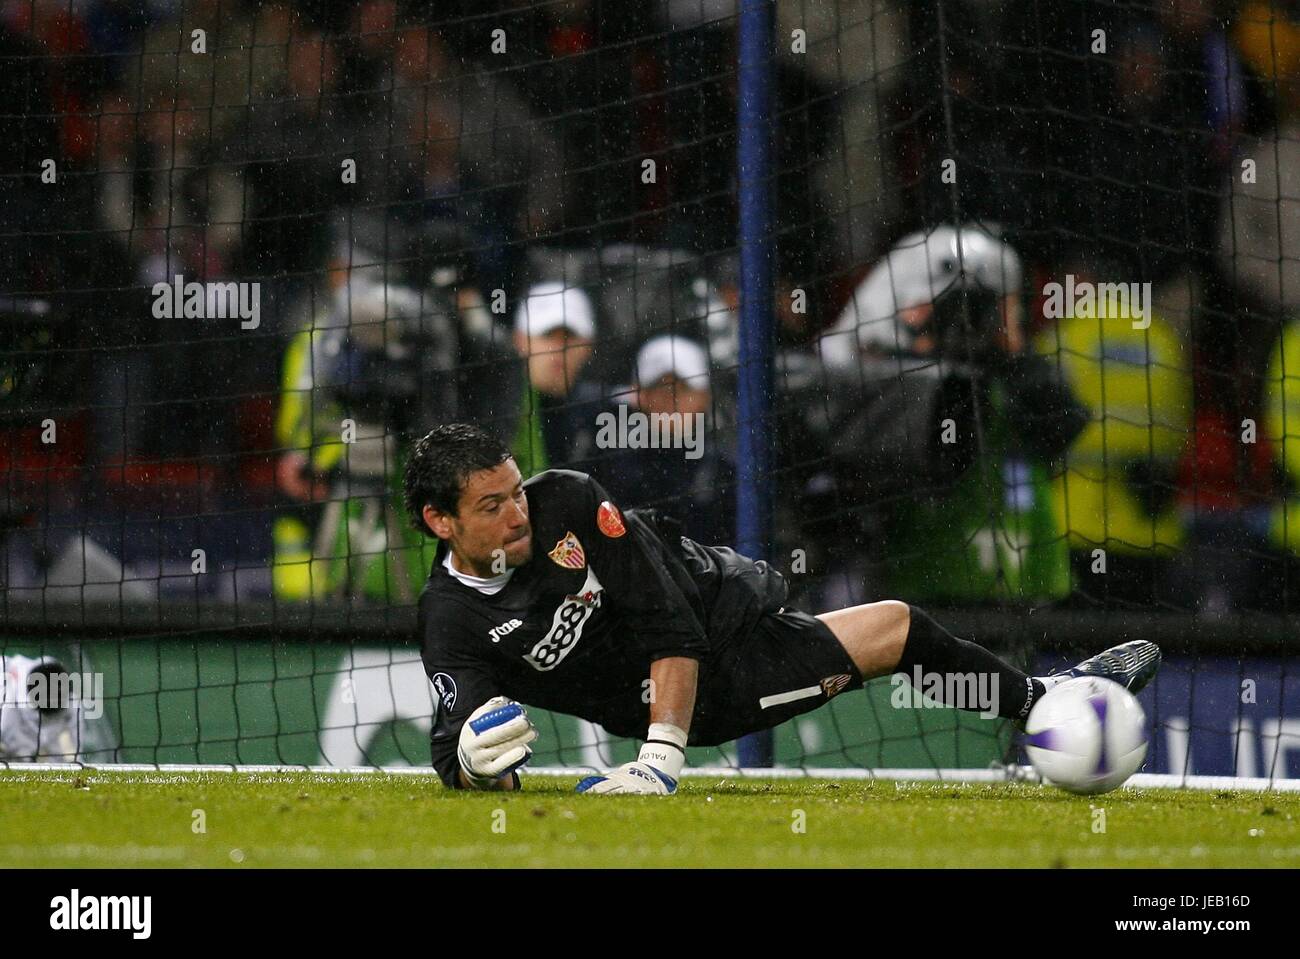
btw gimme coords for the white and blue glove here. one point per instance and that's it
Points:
(494, 741)
(655, 772)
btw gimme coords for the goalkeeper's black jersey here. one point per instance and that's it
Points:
(576, 628)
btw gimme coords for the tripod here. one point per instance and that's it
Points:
(362, 536)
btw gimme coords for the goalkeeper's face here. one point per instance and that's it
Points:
(491, 532)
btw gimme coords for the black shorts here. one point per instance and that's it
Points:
(791, 664)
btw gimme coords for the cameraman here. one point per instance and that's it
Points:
(376, 359)
(948, 426)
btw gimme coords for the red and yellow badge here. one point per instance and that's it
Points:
(610, 520)
(568, 553)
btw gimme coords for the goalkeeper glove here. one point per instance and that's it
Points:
(655, 772)
(494, 741)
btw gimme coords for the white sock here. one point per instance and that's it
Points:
(1050, 681)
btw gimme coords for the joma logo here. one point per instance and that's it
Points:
(505, 629)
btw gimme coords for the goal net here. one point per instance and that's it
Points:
(1027, 272)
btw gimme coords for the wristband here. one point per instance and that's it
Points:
(664, 749)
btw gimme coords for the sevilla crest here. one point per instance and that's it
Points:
(568, 553)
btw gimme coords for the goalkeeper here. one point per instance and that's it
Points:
(544, 593)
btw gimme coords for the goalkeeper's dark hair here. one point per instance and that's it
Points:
(441, 462)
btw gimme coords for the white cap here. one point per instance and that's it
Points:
(918, 270)
(675, 355)
(550, 306)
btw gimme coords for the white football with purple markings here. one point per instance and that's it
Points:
(1087, 735)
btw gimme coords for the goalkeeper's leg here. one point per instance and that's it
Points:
(892, 637)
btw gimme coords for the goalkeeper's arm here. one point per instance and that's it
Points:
(673, 684)
(479, 738)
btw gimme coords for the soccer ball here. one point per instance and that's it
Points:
(1087, 735)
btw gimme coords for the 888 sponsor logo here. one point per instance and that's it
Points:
(566, 626)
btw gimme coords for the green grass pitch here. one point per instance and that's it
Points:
(243, 820)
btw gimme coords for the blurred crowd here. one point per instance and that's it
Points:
(525, 214)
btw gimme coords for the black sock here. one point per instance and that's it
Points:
(938, 656)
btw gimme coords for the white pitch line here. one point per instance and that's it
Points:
(995, 775)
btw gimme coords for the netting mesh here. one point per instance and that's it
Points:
(1034, 276)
